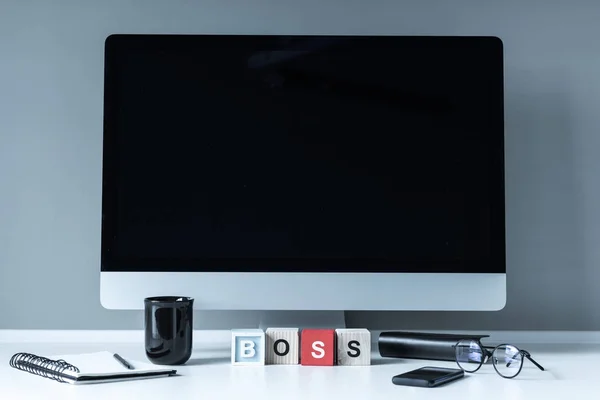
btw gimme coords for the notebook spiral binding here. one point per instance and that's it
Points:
(42, 366)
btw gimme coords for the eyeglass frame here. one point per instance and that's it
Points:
(489, 355)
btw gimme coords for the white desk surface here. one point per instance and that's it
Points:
(572, 372)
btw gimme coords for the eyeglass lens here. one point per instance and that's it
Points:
(507, 360)
(469, 355)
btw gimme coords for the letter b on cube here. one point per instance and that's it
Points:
(282, 345)
(247, 347)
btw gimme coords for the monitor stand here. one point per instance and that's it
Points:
(302, 319)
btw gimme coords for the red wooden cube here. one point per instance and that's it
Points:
(317, 347)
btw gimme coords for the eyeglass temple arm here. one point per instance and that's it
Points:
(533, 361)
(526, 354)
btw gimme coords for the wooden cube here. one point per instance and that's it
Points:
(282, 346)
(247, 347)
(317, 347)
(353, 346)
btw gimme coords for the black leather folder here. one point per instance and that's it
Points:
(421, 346)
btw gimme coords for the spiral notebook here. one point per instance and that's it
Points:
(86, 368)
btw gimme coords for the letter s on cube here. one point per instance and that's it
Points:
(353, 347)
(318, 347)
(247, 347)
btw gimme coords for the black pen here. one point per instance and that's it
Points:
(122, 361)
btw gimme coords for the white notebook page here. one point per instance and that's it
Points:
(104, 364)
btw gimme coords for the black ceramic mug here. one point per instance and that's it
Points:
(168, 329)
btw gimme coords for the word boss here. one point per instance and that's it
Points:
(322, 347)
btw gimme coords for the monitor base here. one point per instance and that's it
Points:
(303, 319)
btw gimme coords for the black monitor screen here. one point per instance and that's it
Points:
(303, 154)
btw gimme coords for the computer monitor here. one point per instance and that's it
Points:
(273, 172)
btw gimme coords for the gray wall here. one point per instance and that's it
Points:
(51, 71)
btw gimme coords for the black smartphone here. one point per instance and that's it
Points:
(428, 377)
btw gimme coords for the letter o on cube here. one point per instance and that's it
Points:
(282, 346)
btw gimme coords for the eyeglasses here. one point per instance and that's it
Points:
(506, 358)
